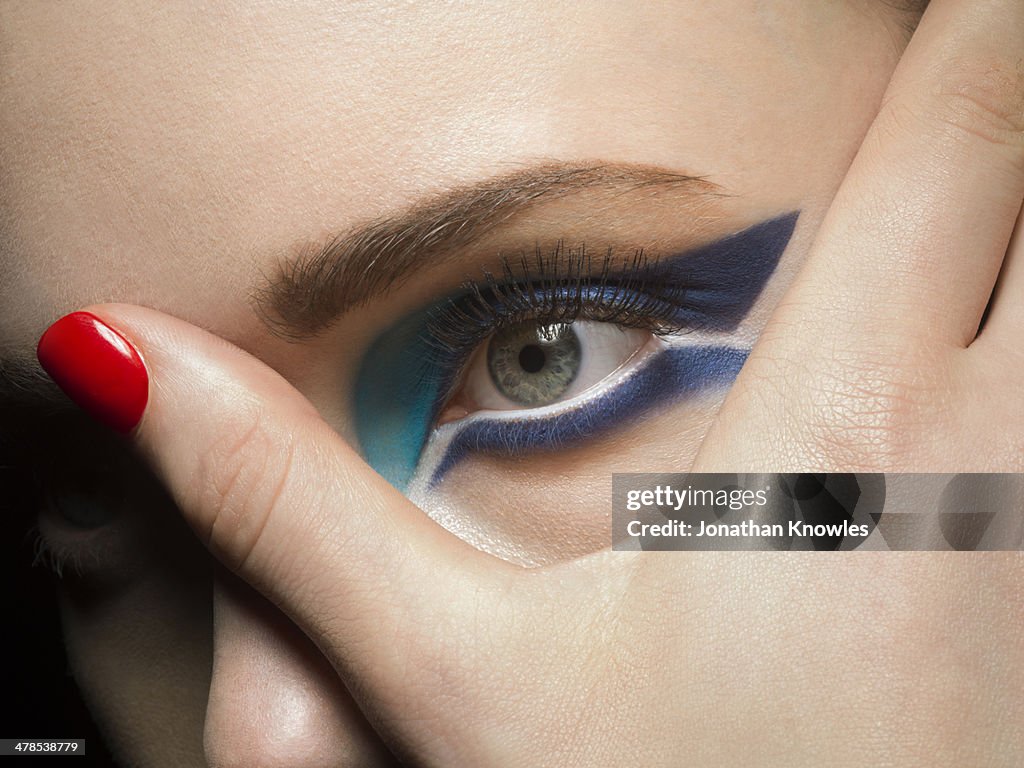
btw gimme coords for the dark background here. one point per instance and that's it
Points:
(40, 699)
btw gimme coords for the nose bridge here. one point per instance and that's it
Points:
(274, 699)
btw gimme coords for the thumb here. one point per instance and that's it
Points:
(271, 489)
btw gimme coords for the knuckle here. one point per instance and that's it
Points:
(984, 98)
(871, 416)
(237, 483)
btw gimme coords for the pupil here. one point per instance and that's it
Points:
(532, 358)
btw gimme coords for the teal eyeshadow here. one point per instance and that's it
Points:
(396, 392)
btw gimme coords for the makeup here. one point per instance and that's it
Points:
(396, 396)
(692, 299)
(666, 376)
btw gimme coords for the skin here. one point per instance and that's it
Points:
(175, 185)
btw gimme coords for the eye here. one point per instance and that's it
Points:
(98, 513)
(78, 497)
(556, 350)
(531, 365)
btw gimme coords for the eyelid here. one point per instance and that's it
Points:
(85, 554)
(94, 552)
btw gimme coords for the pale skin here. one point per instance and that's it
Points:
(872, 360)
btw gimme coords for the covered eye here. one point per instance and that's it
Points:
(531, 365)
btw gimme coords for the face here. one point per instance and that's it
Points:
(506, 251)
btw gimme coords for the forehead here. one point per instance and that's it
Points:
(160, 152)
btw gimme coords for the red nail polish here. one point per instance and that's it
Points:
(97, 368)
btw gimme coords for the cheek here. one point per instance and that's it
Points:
(142, 658)
(555, 506)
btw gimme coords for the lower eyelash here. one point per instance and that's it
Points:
(670, 375)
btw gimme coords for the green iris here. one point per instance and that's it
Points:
(533, 364)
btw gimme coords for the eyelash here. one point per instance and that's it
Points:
(54, 558)
(556, 288)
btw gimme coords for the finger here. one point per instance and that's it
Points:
(1004, 325)
(273, 697)
(914, 239)
(269, 487)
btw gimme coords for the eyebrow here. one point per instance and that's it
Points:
(322, 282)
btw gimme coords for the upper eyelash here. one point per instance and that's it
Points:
(560, 287)
(55, 559)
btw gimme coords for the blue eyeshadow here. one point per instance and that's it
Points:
(670, 375)
(396, 394)
(721, 281)
(402, 378)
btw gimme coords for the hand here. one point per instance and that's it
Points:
(874, 360)
(660, 659)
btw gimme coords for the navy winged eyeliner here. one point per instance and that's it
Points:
(406, 374)
(672, 374)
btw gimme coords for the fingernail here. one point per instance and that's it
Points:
(97, 368)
